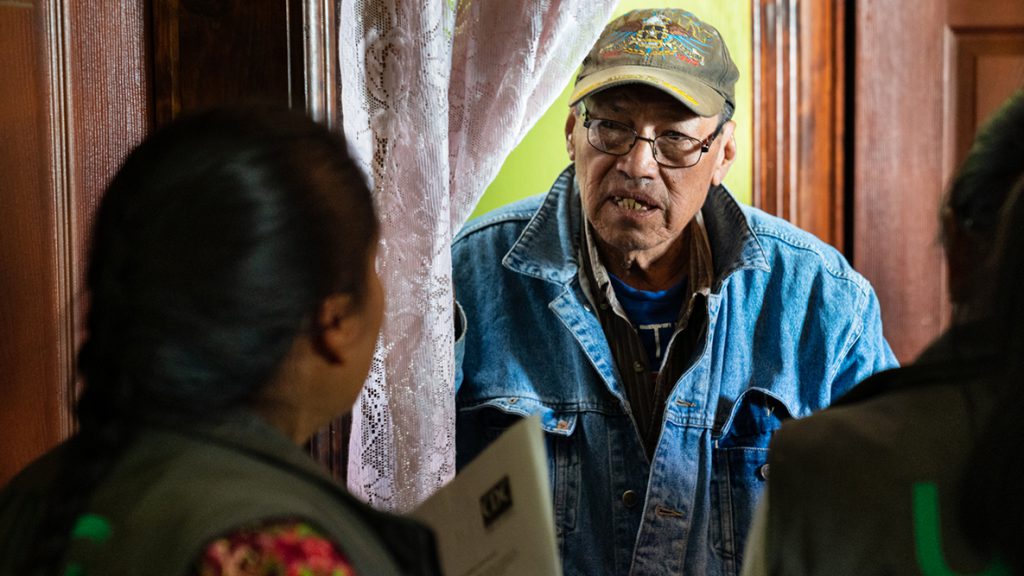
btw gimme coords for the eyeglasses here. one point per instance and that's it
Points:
(671, 149)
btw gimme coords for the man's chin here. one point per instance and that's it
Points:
(626, 243)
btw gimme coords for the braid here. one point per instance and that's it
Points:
(105, 407)
(217, 240)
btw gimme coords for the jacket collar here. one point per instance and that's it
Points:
(549, 250)
(243, 430)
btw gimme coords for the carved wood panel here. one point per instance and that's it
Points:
(215, 52)
(925, 74)
(799, 113)
(984, 66)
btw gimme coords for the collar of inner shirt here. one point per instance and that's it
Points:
(700, 273)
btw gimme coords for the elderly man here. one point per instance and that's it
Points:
(661, 330)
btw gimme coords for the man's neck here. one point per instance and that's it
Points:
(649, 270)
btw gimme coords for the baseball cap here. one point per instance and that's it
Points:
(667, 48)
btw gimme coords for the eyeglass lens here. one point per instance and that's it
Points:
(671, 149)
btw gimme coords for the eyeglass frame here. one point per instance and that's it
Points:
(705, 144)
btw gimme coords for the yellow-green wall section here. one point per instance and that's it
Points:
(533, 166)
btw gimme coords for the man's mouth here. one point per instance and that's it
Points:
(632, 204)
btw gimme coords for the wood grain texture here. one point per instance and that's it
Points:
(898, 173)
(984, 66)
(109, 113)
(220, 52)
(799, 80)
(77, 104)
(774, 94)
(926, 74)
(985, 13)
(820, 120)
(30, 303)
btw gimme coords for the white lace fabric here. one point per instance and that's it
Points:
(435, 94)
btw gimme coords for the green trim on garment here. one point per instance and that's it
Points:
(92, 527)
(928, 536)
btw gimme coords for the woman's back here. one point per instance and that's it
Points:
(233, 310)
(872, 485)
(875, 483)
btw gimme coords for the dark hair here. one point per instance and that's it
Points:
(984, 180)
(992, 502)
(971, 208)
(724, 116)
(214, 244)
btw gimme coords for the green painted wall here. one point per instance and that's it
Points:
(541, 156)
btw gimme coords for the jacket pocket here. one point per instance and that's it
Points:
(481, 424)
(740, 469)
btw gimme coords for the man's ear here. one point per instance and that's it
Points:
(726, 153)
(337, 327)
(570, 125)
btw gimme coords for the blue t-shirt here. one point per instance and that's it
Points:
(653, 314)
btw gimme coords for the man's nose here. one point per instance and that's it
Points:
(640, 160)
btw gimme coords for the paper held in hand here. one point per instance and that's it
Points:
(495, 517)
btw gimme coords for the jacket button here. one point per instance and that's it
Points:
(638, 366)
(762, 471)
(629, 498)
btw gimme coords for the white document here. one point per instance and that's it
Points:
(495, 517)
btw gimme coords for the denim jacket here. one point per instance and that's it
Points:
(791, 326)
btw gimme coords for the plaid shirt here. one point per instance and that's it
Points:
(647, 387)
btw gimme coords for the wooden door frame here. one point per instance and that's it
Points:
(799, 114)
(322, 74)
(91, 100)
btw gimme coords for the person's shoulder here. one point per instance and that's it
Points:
(39, 476)
(511, 216)
(842, 427)
(785, 242)
(927, 378)
(888, 400)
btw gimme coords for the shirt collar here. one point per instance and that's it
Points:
(549, 250)
(700, 274)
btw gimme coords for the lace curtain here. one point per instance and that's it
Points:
(435, 94)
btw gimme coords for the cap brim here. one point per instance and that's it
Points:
(692, 93)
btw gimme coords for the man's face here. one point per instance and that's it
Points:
(637, 207)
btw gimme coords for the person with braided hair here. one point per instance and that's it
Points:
(916, 470)
(234, 307)
(992, 503)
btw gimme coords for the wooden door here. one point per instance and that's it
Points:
(73, 101)
(926, 74)
(80, 84)
(800, 113)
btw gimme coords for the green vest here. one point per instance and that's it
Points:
(177, 488)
